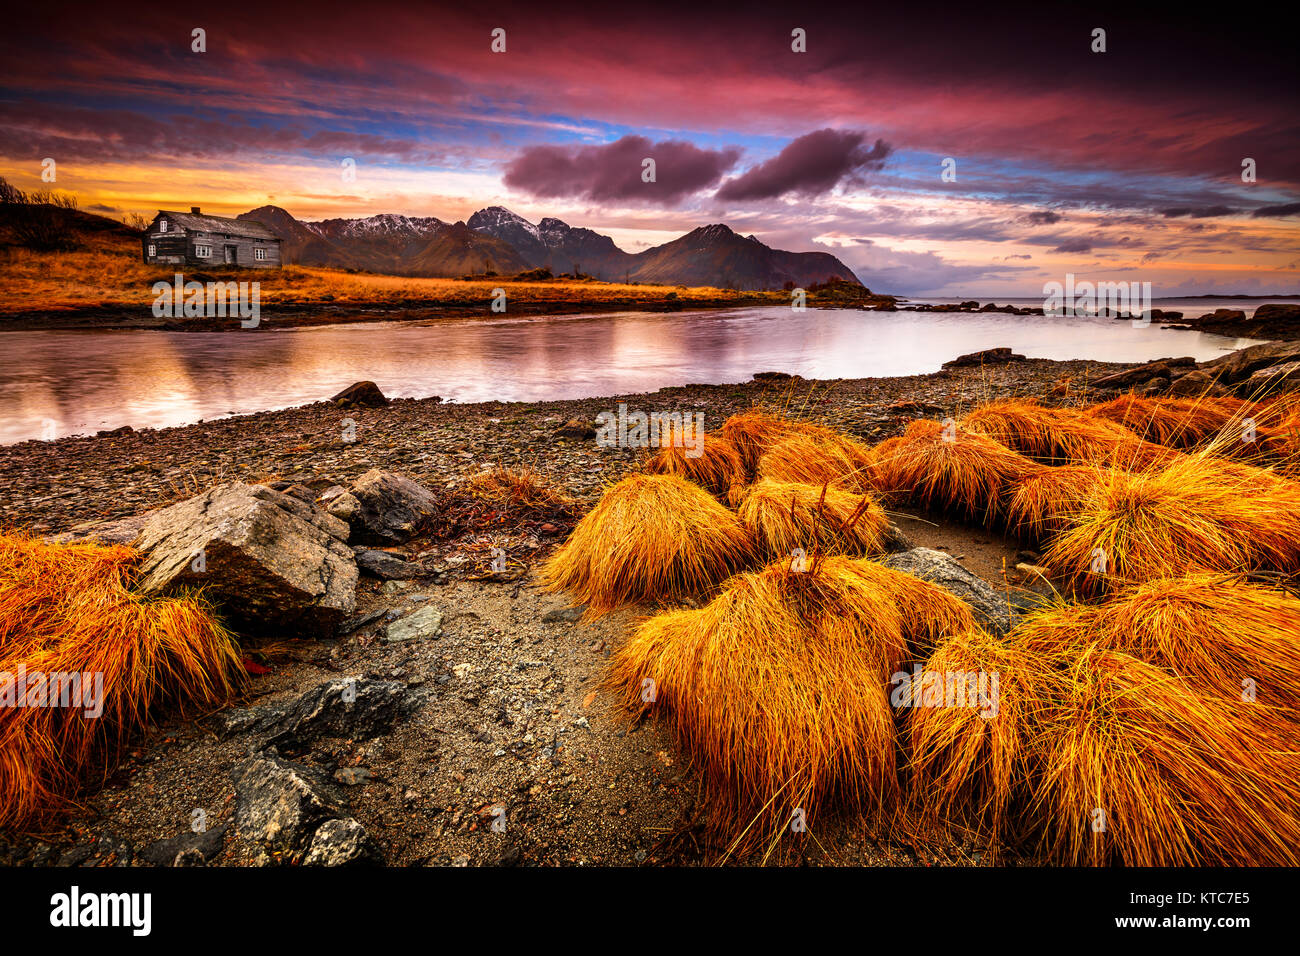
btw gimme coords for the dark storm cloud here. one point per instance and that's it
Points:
(1204, 212)
(1074, 245)
(613, 171)
(1043, 218)
(1286, 209)
(809, 166)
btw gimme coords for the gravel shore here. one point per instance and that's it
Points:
(510, 717)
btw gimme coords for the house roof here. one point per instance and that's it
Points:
(248, 228)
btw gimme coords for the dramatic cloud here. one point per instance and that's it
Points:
(809, 166)
(1044, 218)
(1286, 209)
(614, 171)
(1081, 246)
(1206, 212)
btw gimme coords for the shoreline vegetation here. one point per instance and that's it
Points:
(453, 629)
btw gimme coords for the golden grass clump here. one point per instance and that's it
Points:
(787, 515)
(1047, 501)
(1186, 517)
(1138, 767)
(970, 750)
(1227, 637)
(1062, 435)
(1176, 422)
(778, 689)
(755, 432)
(948, 467)
(815, 459)
(718, 467)
(519, 489)
(65, 610)
(649, 537)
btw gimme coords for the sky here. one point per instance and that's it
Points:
(1119, 165)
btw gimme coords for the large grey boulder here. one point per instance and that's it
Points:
(990, 607)
(270, 561)
(1238, 366)
(384, 508)
(1284, 377)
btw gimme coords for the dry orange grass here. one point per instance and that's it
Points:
(1062, 435)
(1192, 515)
(1047, 501)
(1227, 637)
(969, 766)
(787, 515)
(950, 468)
(1176, 422)
(518, 489)
(777, 689)
(1139, 768)
(718, 467)
(808, 450)
(66, 609)
(810, 458)
(650, 537)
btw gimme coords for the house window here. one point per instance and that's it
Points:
(202, 252)
(162, 225)
(153, 250)
(259, 254)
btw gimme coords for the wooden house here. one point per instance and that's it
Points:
(194, 240)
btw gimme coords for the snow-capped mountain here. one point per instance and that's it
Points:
(498, 240)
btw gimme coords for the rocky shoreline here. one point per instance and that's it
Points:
(474, 734)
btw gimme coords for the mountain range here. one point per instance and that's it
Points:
(499, 241)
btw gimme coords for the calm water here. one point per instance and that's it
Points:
(63, 383)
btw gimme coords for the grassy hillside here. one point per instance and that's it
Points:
(103, 270)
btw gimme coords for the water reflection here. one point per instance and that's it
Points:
(60, 383)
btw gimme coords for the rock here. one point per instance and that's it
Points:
(574, 428)
(271, 561)
(362, 393)
(423, 624)
(1274, 320)
(895, 540)
(1265, 380)
(118, 531)
(772, 376)
(997, 356)
(384, 508)
(352, 708)
(1196, 383)
(385, 566)
(1160, 368)
(913, 408)
(564, 615)
(278, 806)
(1238, 366)
(352, 776)
(342, 843)
(989, 606)
(167, 852)
(1157, 386)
